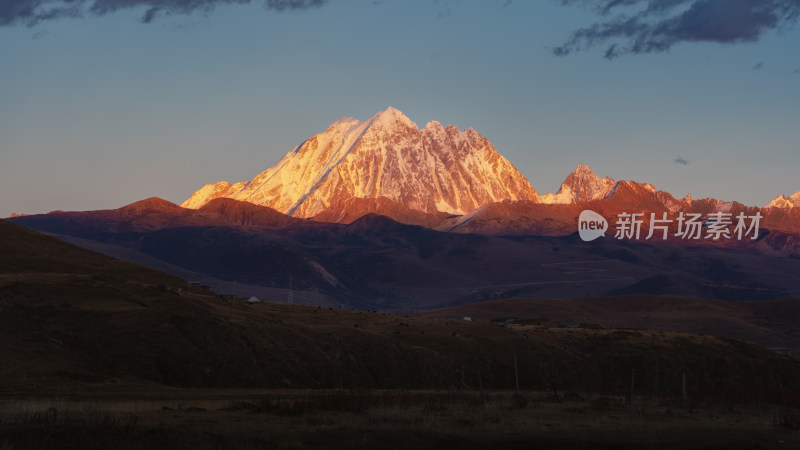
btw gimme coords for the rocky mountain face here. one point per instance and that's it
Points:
(581, 186)
(434, 169)
(781, 201)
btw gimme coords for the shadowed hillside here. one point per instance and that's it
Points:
(377, 263)
(771, 323)
(73, 318)
(101, 353)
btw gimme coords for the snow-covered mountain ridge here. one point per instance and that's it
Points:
(387, 163)
(433, 169)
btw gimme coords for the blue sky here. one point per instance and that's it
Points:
(103, 110)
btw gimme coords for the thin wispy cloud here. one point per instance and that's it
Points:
(33, 12)
(680, 160)
(652, 26)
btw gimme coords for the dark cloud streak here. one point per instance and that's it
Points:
(652, 26)
(33, 12)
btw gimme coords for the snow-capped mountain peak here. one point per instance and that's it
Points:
(434, 169)
(390, 118)
(580, 186)
(781, 201)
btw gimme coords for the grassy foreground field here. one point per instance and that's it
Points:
(230, 419)
(99, 353)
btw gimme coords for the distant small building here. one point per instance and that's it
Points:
(253, 300)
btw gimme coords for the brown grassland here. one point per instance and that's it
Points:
(397, 419)
(100, 353)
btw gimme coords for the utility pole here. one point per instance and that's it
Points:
(684, 386)
(290, 300)
(655, 386)
(633, 382)
(233, 299)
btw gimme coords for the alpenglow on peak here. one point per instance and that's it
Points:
(431, 169)
(580, 186)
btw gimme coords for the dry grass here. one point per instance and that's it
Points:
(91, 346)
(394, 419)
(770, 323)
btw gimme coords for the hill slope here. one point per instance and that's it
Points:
(72, 320)
(771, 323)
(377, 263)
